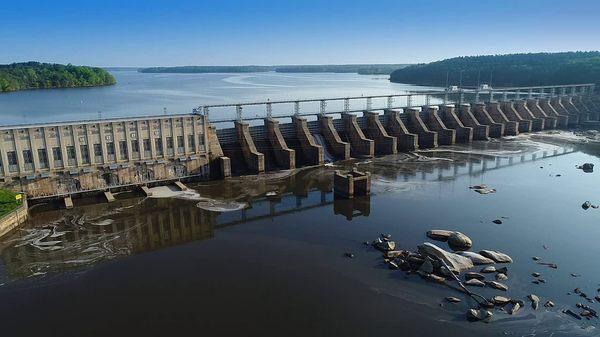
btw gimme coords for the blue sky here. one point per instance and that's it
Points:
(227, 32)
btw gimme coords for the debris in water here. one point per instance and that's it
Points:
(587, 167)
(482, 189)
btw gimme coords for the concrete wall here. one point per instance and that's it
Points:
(337, 147)
(434, 123)
(480, 131)
(511, 128)
(496, 129)
(395, 126)
(360, 146)
(448, 116)
(537, 124)
(562, 120)
(508, 108)
(557, 104)
(13, 219)
(534, 106)
(384, 143)
(415, 124)
(311, 151)
(285, 157)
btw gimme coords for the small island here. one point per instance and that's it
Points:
(527, 69)
(35, 75)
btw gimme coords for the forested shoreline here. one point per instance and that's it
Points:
(35, 75)
(505, 70)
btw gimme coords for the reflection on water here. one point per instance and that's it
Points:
(292, 233)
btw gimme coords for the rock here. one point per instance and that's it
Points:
(536, 281)
(535, 274)
(572, 314)
(427, 266)
(452, 299)
(575, 275)
(497, 285)
(477, 259)
(551, 265)
(535, 301)
(392, 254)
(513, 307)
(500, 300)
(431, 277)
(501, 277)
(349, 255)
(597, 298)
(488, 269)
(497, 221)
(587, 167)
(496, 256)
(459, 241)
(478, 315)
(549, 304)
(482, 189)
(386, 236)
(535, 258)
(455, 262)
(472, 275)
(586, 205)
(439, 234)
(393, 265)
(474, 283)
(502, 270)
(384, 246)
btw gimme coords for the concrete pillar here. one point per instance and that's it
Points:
(339, 148)
(284, 156)
(406, 141)
(562, 120)
(558, 105)
(360, 146)
(434, 123)
(254, 159)
(508, 108)
(384, 143)
(480, 131)
(464, 134)
(583, 109)
(496, 129)
(537, 124)
(592, 106)
(416, 125)
(535, 108)
(511, 128)
(312, 152)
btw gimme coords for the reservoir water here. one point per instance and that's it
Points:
(265, 256)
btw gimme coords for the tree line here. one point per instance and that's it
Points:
(505, 70)
(35, 75)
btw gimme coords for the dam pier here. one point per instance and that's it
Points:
(65, 160)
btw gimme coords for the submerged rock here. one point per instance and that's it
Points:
(472, 275)
(501, 277)
(535, 274)
(587, 167)
(513, 307)
(535, 301)
(497, 221)
(476, 258)
(439, 234)
(496, 256)
(452, 299)
(454, 261)
(384, 246)
(474, 315)
(500, 300)
(474, 283)
(497, 285)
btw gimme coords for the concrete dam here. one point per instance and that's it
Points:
(68, 159)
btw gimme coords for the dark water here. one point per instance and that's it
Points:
(138, 94)
(149, 267)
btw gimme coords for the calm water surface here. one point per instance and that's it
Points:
(137, 94)
(149, 267)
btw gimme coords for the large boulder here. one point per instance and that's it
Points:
(439, 234)
(459, 242)
(454, 261)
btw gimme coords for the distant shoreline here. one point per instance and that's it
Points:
(361, 69)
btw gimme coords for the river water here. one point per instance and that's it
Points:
(264, 256)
